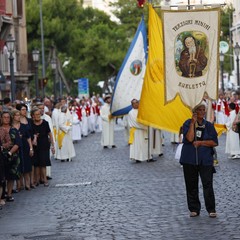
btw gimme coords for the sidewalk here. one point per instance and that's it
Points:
(101, 195)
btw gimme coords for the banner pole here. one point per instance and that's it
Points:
(149, 157)
(195, 139)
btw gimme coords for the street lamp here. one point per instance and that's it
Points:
(222, 61)
(54, 67)
(11, 47)
(237, 52)
(35, 56)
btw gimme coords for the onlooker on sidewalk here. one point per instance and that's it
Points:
(7, 104)
(5, 142)
(41, 145)
(25, 151)
(12, 166)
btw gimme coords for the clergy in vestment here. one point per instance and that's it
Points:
(107, 124)
(55, 116)
(232, 140)
(221, 109)
(84, 113)
(138, 135)
(66, 149)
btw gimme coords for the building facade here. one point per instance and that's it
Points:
(13, 21)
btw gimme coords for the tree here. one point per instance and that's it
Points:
(226, 24)
(129, 14)
(86, 36)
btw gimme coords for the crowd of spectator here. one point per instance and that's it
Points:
(32, 132)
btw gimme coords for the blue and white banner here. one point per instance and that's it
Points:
(129, 80)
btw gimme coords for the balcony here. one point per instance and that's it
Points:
(4, 63)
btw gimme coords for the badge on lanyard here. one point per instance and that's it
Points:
(199, 134)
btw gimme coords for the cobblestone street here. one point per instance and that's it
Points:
(101, 195)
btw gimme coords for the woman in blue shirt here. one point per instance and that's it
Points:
(199, 138)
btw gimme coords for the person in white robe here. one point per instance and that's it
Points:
(221, 110)
(76, 127)
(126, 127)
(155, 142)
(92, 116)
(66, 149)
(98, 119)
(107, 138)
(84, 112)
(174, 138)
(55, 116)
(75, 117)
(232, 140)
(138, 139)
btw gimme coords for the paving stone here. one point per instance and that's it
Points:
(125, 200)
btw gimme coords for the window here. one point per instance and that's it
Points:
(17, 8)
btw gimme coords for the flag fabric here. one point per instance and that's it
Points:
(129, 80)
(152, 109)
(191, 51)
(220, 128)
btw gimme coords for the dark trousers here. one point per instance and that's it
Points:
(191, 176)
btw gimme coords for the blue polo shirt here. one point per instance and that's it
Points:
(202, 155)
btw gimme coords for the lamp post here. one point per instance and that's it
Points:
(237, 52)
(54, 67)
(222, 61)
(11, 46)
(35, 56)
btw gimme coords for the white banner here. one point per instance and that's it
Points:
(191, 52)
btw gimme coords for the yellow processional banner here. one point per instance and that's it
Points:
(152, 108)
(169, 93)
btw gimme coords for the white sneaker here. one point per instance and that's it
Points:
(235, 156)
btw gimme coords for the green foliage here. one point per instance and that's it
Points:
(130, 15)
(87, 37)
(226, 24)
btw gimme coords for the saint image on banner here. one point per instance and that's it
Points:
(191, 54)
